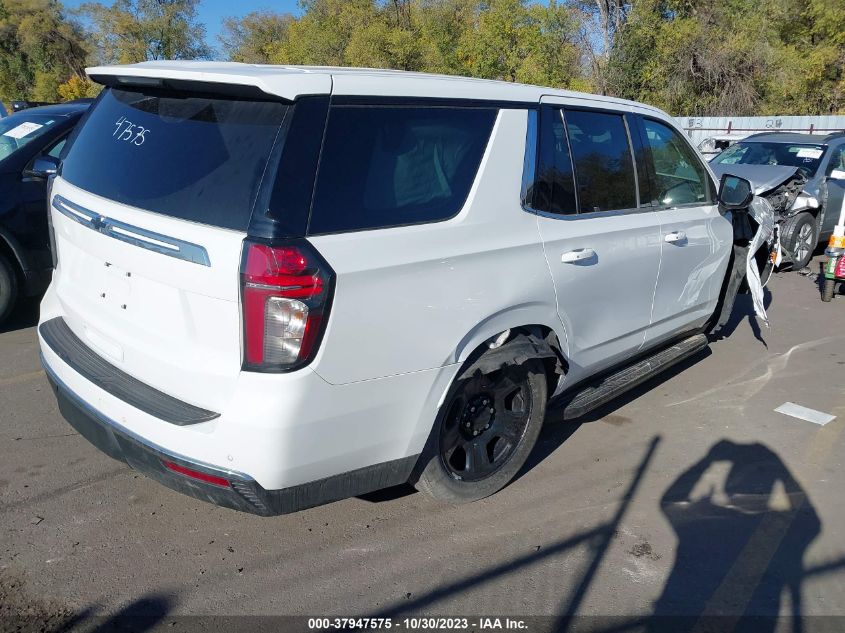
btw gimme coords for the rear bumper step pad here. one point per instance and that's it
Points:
(118, 383)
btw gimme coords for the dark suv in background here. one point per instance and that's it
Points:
(30, 144)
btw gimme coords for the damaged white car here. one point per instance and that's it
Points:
(802, 176)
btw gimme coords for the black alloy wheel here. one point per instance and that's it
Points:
(485, 423)
(487, 427)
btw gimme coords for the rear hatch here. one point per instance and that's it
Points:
(150, 213)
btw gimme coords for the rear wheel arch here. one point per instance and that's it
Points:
(550, 350)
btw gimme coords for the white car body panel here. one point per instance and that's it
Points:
(691, 269)
(431, 284)
(176, 331)
(604, 301)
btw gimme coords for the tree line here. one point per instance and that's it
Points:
(697, 57)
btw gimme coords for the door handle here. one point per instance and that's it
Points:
(675, 236)
(577, 255)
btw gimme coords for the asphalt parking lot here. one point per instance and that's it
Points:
(689, 496)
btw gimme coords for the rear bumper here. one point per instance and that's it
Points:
(243, 493)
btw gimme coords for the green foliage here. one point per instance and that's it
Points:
(514, 40)
(39, 49)
(251, 38)
(686, 56)
(78, 88)
(732, 56)
(132, 31)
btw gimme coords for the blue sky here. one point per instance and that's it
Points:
(212, 12)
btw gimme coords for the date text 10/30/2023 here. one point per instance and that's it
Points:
(419, 624)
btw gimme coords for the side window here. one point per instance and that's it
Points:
(390, 166)
(56, 150)
(554, 185)
(680, 178)
(732, 155)
(836, 170)
(604, 169)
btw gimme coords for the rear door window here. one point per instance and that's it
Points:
(554, 185)
(185, 155)
(680, 178)
(604, 168)
(384, 166)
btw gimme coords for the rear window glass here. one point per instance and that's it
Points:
(604, 168)
(187, 156)
(391, 166)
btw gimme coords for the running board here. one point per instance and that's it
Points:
(613, 385)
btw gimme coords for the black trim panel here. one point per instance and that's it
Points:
(243, 492)
(59, 337)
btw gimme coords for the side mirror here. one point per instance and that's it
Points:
(42, 167)
(735, 192)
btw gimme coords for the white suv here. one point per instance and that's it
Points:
(281, 286)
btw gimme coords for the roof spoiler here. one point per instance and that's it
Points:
(193, 86)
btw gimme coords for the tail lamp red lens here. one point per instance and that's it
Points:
(195, 474)
(286, 292)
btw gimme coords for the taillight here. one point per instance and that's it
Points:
(286, 293)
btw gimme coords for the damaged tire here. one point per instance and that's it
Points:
(484, 432)
(800, 237)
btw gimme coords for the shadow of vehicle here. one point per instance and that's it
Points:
(556, 430)
(144, 614)
(389, 494)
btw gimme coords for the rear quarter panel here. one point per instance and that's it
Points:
(421, 297)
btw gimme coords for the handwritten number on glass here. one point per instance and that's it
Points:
(130, 132)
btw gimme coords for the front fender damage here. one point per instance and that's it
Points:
(749, 264)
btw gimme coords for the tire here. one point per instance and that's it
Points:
(8, 288)
(503, 443)
(800, 237)
(828, 289)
